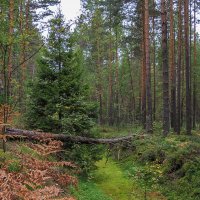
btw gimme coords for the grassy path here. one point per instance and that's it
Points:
(110, 178)
(110, 183)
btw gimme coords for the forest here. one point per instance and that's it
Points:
(102, 107)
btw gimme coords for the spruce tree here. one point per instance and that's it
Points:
(57, 100)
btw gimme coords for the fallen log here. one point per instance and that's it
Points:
(42, 136)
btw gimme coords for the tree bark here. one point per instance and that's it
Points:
(10, 49)
(194, 70)
(132, 96)
(179, 68)
(143, 92)
(117, 80)
(154, 63)
(41, 136)
(149, 125)
(165, 66)
(187, 67)
(110, 86)
(172, 68)
(99, 71)
(143, 71)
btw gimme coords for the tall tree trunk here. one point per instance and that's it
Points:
(194, 69)
(21, 55)
(172, 68)
(5, 93)
(24, 29)
(183, 84)
(166, 123)
(130, 64)
(110, 59)
(143, 88)
(179, 68)
(117, 80)
(154, 63)
(187, 67)
(10, 48)
(149, 125)
(143, 72)
(24, 45)
(7, 70)
(99, 77)
(190, 52)
(110, 87)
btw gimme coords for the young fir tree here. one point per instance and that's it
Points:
(57, 102)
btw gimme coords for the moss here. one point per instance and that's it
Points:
(88, 191)
(173, 161)
(111, 179)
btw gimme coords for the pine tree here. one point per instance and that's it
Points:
(149, 125)
(187, 67)
(165, 67)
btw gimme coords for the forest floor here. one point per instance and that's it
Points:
(30, 171)
(118, 184)
(152, 167)
(164, 167)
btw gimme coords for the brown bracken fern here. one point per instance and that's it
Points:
(37, 179)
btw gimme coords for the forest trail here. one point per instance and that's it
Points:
(110, 178)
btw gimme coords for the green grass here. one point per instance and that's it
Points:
(172, 165)
(88, 190)
(169, 168)
(110, 178)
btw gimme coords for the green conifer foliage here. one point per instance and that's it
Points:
(57, 101)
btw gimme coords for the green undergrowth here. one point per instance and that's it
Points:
(108, 132)
(170, 166)
(111, 179)
(88, 190)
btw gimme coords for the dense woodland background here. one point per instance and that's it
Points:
(121, 64)
(139, 58)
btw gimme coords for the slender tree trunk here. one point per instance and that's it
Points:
(130, 64)
(7, 70)
(21, 55)
(179, 68)
(110, 59)
(10, 48)
(194, 69)
(166, 123)
(24, 45)
(143, 92)
(182, 83)
(149, 125)
(5, 94)
(110, 88)
(99, 77)
(117, 80)
(100, 94)
(24, 30)
(143, 73)
(190, 55)
(187, 68)
(172, 68)
(154, 64)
